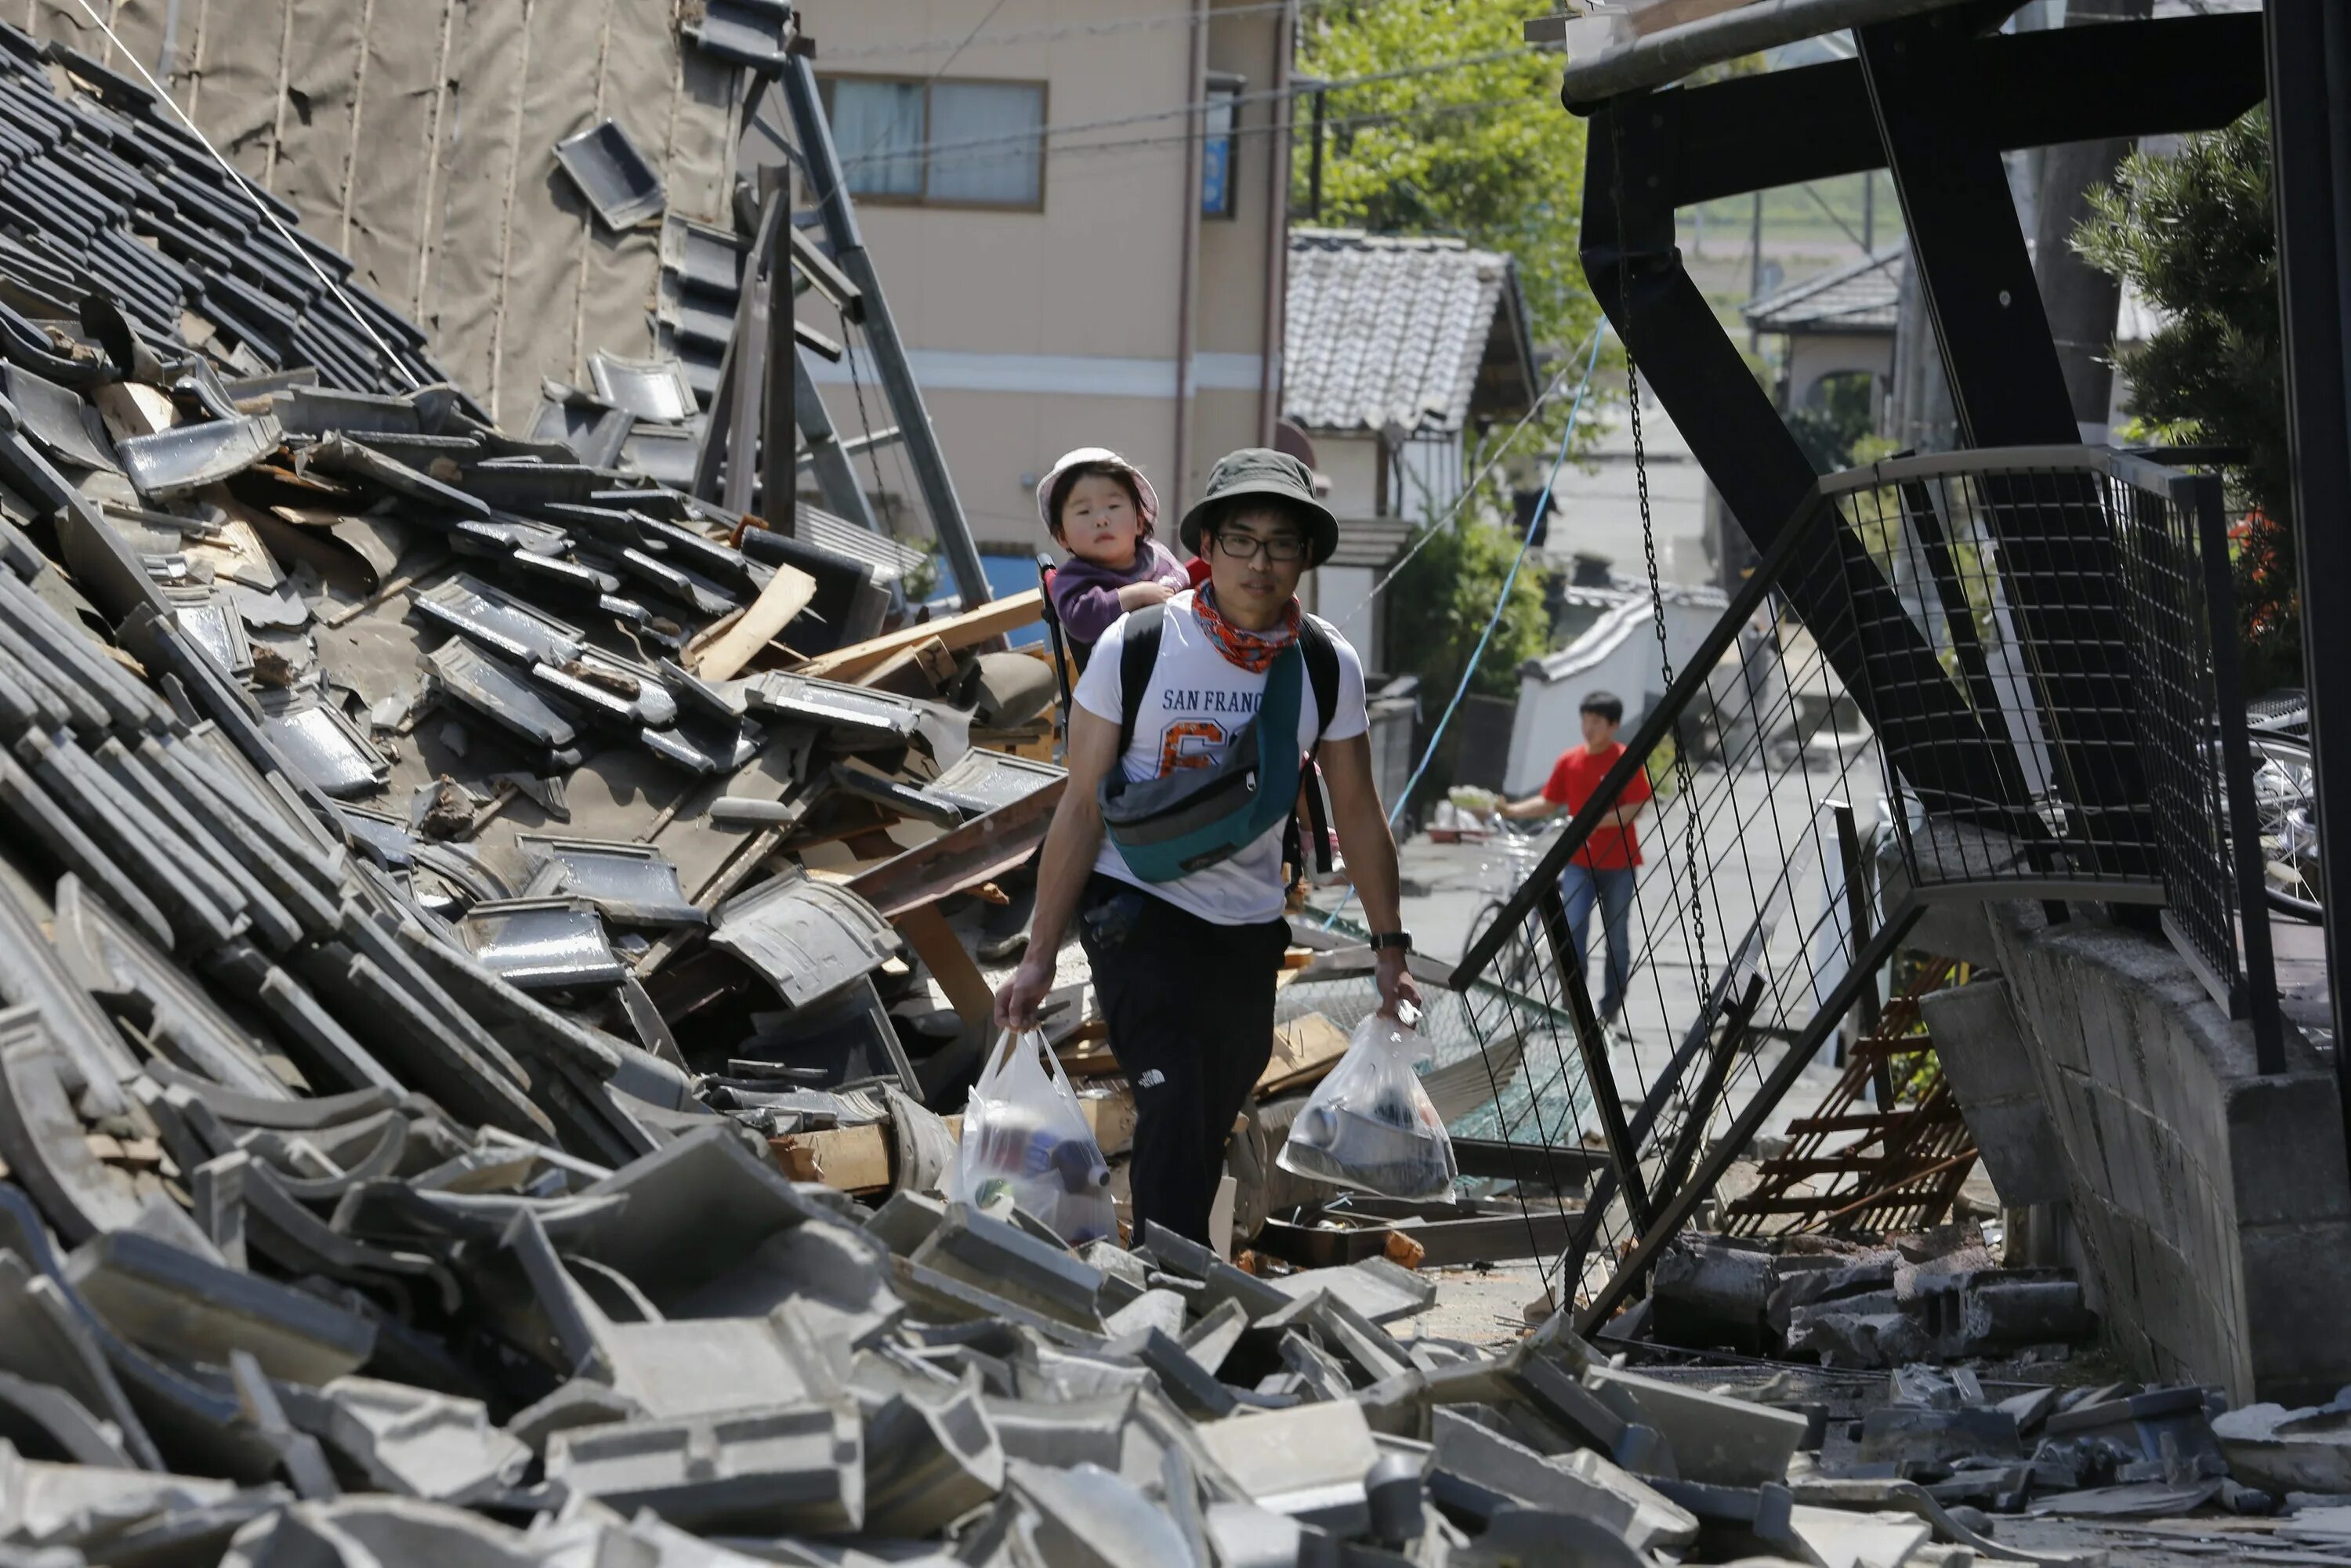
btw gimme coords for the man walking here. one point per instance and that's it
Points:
(1183, 929)
(1602, 871)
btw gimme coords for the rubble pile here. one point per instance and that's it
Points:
(396, 704)
(1935, 1296)
(2116, 1451)
(449, 885)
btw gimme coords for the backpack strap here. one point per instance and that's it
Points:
(1138, 656)
(1321, 674)
(1323, 677)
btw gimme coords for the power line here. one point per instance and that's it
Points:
(1043, 133)
(1177, 138)
(898, 121)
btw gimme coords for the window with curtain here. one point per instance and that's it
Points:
(877, 128)
(1000, 162)
(958, 143)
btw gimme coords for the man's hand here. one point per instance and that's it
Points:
(1016, 1003)
(1396, 984)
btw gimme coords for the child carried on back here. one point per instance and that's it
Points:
(1099, 507)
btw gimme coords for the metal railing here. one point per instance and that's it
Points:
(1986, 674)
(2070, 596)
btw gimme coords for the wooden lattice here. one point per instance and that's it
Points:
(1903, 1168)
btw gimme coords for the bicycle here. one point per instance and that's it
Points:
(1519, 959)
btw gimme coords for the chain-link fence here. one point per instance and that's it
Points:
(1986, 674)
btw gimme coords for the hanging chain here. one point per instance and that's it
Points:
(1683, 785)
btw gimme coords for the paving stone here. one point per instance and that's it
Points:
(1379, 1290)
(1011, 1263)
(421, 1444)
(1481, 1470)
(1090, 1518)
(928, 1462)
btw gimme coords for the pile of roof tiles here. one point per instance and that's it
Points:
(389, 1175)
(108, 204)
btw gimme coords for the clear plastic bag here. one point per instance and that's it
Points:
(1024, 1135)
(1369, 1124)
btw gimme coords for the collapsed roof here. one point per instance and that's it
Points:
(418, 141)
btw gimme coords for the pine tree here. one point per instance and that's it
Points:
(2195, 235)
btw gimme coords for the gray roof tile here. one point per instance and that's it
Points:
(1384, 329)
(1862, 296)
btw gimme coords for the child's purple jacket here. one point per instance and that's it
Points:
(1085, 596)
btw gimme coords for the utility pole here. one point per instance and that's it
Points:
(2083, 302)
(1314, 164)
(1755, 270)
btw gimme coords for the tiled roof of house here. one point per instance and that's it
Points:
(1418, 333)
(1865, 296)
(1862, 296)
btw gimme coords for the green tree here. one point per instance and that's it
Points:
(2194, 234)
(1439, 607)
(1471, 143)
(1479, 151)
(1830, 431)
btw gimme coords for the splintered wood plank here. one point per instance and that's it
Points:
(942, 952)
(1304, 1050)
(993, 619)
(746, 633)
(921, 671)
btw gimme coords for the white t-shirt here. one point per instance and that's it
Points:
(1199, 704)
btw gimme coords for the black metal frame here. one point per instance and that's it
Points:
(1935, 104)
(2309, 61)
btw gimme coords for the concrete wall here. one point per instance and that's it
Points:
(2212, 1202)
(1352, 463)
(1620, 655)
(1813, 357)
(1595, 503)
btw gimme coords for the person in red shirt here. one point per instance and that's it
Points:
(1602, 871)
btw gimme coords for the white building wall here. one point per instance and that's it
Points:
(1618, 655)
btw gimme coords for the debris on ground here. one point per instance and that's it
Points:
(1932, 1296)
(477, 921)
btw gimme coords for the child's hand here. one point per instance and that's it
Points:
(1135, 595)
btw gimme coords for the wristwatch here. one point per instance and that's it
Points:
(1397, 939)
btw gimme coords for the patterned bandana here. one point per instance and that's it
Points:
(1252, 651)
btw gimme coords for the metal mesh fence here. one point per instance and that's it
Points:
(1989, 675)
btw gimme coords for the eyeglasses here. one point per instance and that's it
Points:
(1244, 547)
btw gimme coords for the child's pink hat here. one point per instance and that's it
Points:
(1104, 456)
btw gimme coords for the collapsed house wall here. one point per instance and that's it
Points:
(2210, 1200)
(417, 138)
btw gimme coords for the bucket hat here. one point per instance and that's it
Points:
(1079, 458)
(1276, 476)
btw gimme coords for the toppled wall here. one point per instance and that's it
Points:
(415, 136)
(2212, 1202)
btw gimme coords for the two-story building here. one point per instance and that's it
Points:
(1075, 208)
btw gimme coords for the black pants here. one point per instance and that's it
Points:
(1190, 1007)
